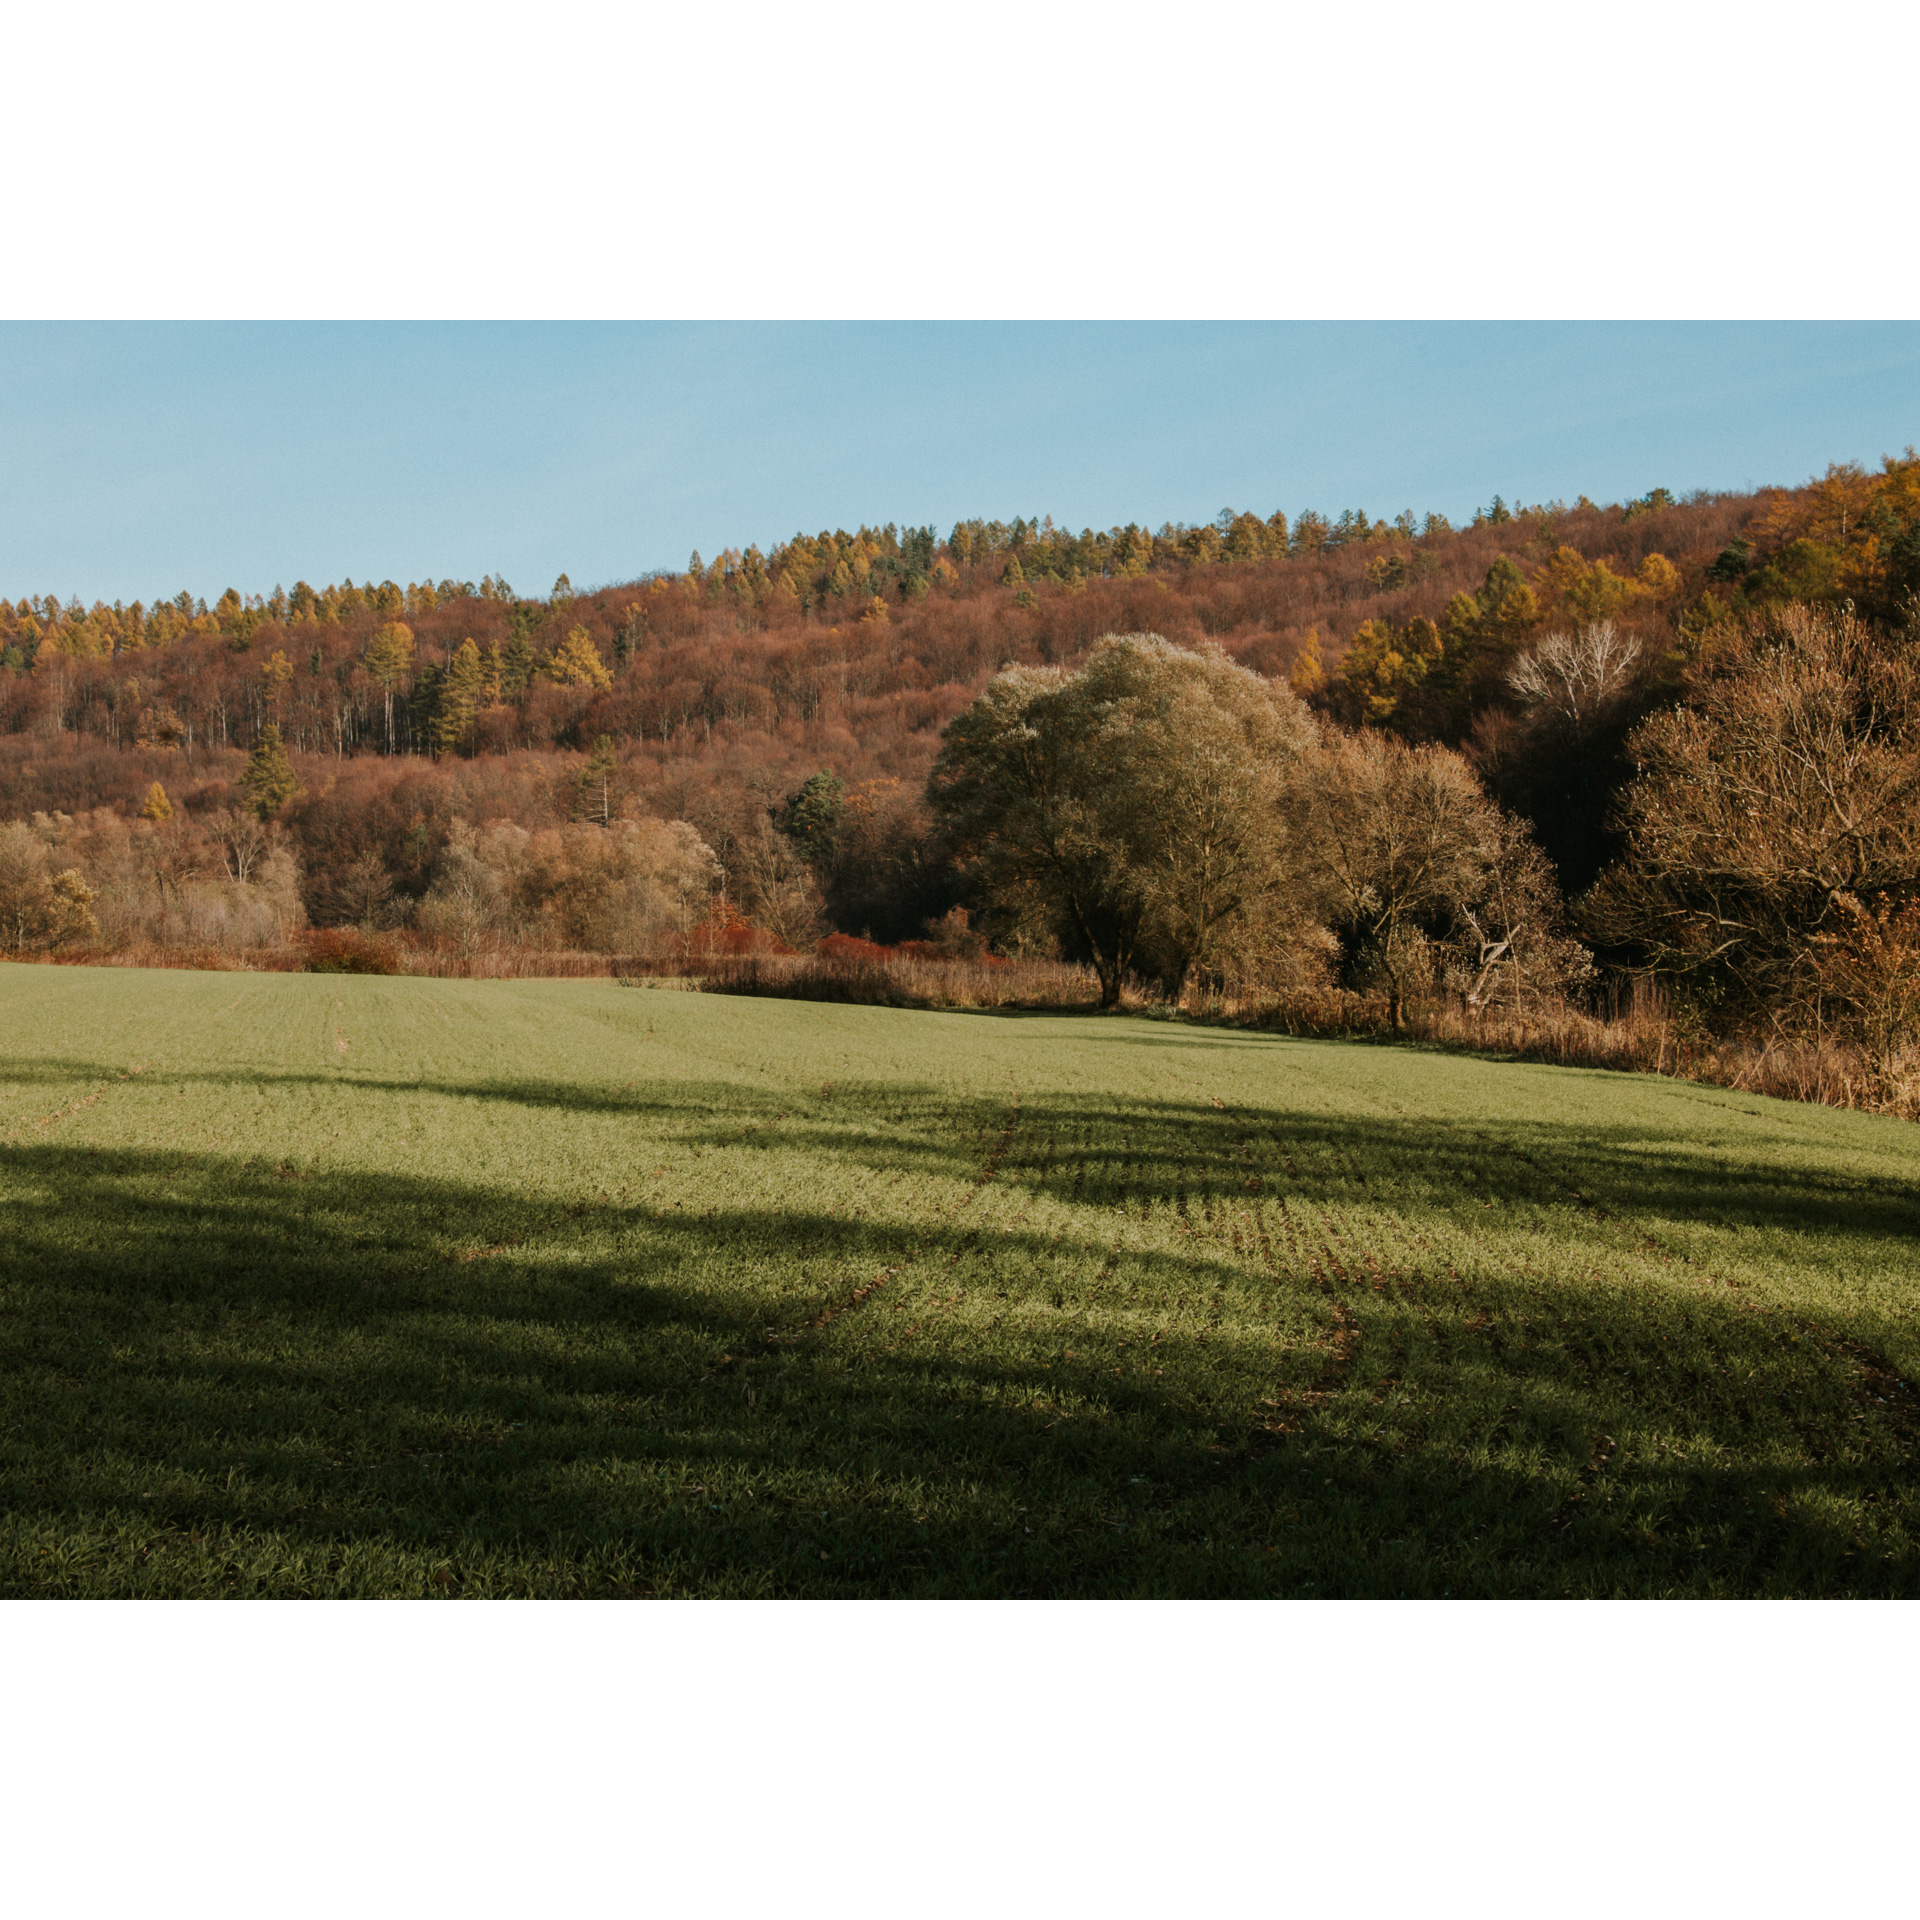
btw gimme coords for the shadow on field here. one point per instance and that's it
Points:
(1637, 1168)
(220, 1377)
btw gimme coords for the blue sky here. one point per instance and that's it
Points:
(137, 459)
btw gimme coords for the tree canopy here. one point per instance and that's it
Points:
(1137, 805)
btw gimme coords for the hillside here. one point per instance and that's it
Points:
(725, 686)
(1662, 755)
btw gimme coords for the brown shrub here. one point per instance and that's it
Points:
(348, 950)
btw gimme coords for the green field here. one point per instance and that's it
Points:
(324, 1285)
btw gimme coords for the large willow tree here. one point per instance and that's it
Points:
(1141, 804)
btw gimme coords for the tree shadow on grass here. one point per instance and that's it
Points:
(218, 1377)
(1634, 1165)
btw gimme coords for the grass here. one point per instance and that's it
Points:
(335, 1285)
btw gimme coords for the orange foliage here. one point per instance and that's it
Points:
(725, 934)
(725, 687)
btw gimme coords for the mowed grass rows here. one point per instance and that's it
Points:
(320, 1285)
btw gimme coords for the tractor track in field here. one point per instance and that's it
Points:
(989, 1172)
(1877, 1387)
(1289, 1407)
(779, 1337)
(1310, 1255)
(1874, 1380)
(76, 1105)
(785, 1339)
(1382, 1256)
(1271, 1217)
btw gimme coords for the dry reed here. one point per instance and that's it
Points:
(908, 981)
(1638, 1036)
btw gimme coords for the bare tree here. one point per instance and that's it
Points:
(776, 887)
(1790, 781)
(1867, 972)
(468, 899)
(39, 907)
(1576, 677)
(616, 889)
(1429, 879)
(244, 839)
(367, 887)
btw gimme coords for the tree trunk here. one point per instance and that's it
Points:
(1178, 974)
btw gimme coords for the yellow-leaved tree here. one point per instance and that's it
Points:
(470, 685)
(576, 662)
(388, 660)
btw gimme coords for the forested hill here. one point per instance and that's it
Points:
(722, 687)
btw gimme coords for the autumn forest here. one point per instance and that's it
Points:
(748, 743)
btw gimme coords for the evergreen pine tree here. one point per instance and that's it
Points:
(268, 781)
(516, 665)
(463, 692)
(811, 817)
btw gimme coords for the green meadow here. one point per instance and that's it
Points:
(323, 1285)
